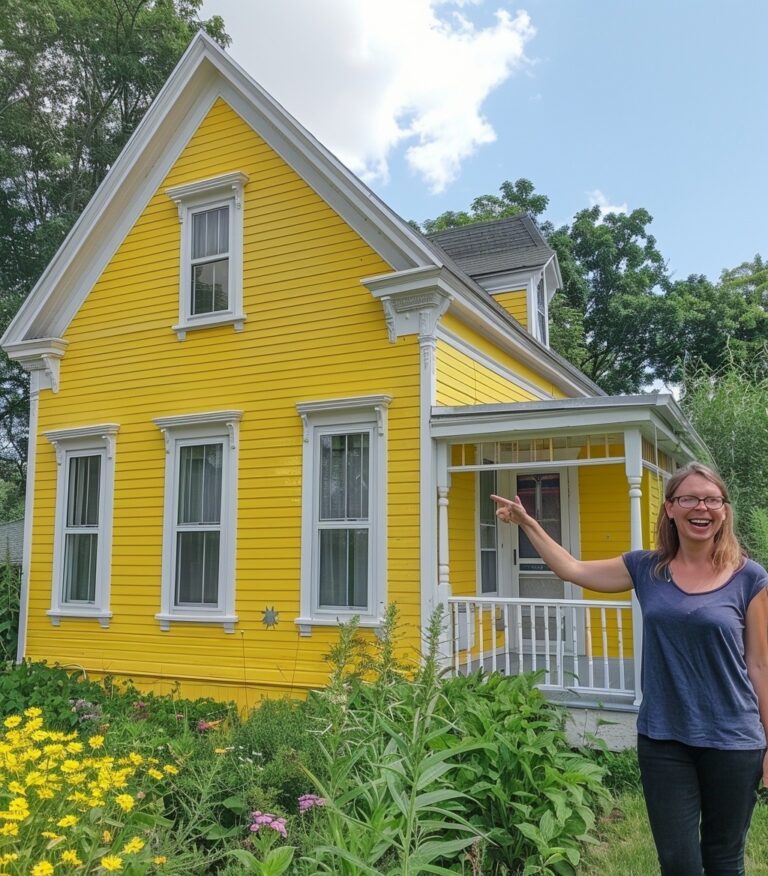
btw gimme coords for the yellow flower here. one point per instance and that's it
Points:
(33, 725)
(67, 821)
(133, 845)
(50, 835)
(12, 721)
(135, 759)
(155, 774)
(171, 770)
(10, 828)
(16, 788)
(44, 868)
(33, 712)
(106, 836)
(159, 859)
(70, 857)
(96, 741)
(112, 862)
(125, 802)
(8, 857)
(75, 747)
(45, 794)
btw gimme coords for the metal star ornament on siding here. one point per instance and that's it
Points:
(270, 617)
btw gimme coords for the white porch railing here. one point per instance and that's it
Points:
(580, 645)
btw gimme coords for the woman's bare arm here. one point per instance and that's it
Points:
(604, 576)
(756, 652)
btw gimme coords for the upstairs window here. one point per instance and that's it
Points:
(210, 261)
(211, 258)
(83, 528)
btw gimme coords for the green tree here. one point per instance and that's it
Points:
(76, 77)
(729, 410)
(513, 198)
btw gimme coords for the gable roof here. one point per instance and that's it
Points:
(204, 74)
(513, 243)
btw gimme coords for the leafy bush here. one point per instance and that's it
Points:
(524, 789)
(10, 587)
(622, 771)
(52, 688)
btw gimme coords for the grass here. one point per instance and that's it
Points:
(626, 847)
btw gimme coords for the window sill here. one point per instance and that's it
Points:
(305, 624)
(56, 614)
(184, 326)
(227, 621)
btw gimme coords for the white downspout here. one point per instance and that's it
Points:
(633, 462)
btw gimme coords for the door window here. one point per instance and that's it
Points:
(540, 495)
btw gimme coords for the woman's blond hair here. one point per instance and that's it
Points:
(727, 553)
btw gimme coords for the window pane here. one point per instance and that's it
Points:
(488, 572)
(210, 286)
(200, 473)
(210, 233)
(344, 568)
(344, 476)
(83, 491)
(80, 551)
(197, 568)
(487, 505)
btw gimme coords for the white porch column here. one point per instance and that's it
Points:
(633, 462)
(443, 560)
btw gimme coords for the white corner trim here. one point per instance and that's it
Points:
(42, 355)
(202, 190)
(413, 300)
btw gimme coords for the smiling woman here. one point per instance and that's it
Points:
(703, 720)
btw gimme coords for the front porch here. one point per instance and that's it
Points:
(592, 471)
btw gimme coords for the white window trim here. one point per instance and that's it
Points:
(533, 307)
(342, 416)
(190, 198)
(177, 431)
(101, 440)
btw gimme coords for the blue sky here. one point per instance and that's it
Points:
(629, 103)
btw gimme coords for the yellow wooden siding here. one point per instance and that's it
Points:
(462, 536)
(515, 303)
(462, 380)
(605, 532)
(312, 332)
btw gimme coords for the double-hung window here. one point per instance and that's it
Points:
(211, 268)
(200, 517)
(344, 509)
(83, 528)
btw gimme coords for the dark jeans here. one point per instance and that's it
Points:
(700, 803)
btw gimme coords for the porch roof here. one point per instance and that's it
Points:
(657, 416)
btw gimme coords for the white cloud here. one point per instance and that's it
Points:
(366, 77)
(598, 199)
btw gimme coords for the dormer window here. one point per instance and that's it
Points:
(542, 317)
(211, 262)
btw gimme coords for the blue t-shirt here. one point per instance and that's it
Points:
(694, 674)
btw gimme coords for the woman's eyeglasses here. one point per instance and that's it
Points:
(713, 503)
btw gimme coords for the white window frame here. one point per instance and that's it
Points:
(181, 431)
(343, 416)
(533, 307)
(70, 443)
(198, 197)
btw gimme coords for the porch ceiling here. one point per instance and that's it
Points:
(656, 416)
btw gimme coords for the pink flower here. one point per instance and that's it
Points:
(267, 819)
(309, 801)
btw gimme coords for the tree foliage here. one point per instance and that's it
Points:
(729, 410)
(619, 316)
(76, 77)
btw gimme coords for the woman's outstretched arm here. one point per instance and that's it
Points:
(604, 576)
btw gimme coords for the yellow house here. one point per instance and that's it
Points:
(262, 404)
